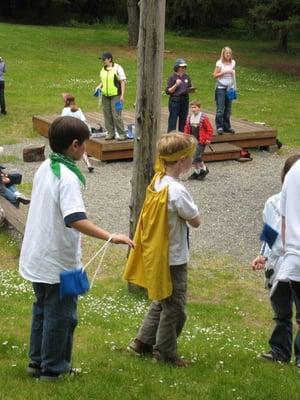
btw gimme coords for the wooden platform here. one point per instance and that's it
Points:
(14, 216)
(223, 147)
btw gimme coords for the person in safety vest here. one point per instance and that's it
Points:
(112, 86)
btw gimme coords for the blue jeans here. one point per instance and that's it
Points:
(282, 337)
(178, 109)
(2, 98)
(53, 323)
(8, 192)
(223, 109)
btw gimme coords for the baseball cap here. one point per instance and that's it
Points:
(105, 56)
(180, 63)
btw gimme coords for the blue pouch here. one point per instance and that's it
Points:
(73, 282)
(97, 92)
(119, 106)
(268, 235)
(231, 93)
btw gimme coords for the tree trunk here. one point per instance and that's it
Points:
(133, 22)
(283, 39)
(148, 100)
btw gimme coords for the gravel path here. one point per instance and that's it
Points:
(231, 198)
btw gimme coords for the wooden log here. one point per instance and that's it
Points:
(2, 216)
(34, 153)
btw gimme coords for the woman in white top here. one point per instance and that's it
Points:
(71, 110)
(225, 75)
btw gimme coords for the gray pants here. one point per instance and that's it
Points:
(165, 319)
(112, 118)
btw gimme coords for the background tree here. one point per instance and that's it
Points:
(279, 16)
(133, 12)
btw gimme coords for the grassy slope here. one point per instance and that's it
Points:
(45, 61)
(229, 316)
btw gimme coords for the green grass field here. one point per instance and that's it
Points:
(43, 62)
(229, 314)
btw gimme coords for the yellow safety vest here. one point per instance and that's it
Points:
(148, 264)
(110, 81)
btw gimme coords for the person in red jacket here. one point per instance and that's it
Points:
(198, 125)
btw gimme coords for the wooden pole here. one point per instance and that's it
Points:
(148, 100)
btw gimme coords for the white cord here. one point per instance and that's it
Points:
(103, 251)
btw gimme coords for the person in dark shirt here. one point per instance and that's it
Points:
(178, 86)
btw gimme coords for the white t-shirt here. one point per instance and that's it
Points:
(290, 209)
(181, 207)
(66, 112)
(226, 80)
(49, 246)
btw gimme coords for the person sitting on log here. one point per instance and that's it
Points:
(8, 189)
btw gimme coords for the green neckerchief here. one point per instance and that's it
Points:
(56, 159)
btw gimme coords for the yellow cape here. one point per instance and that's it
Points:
(148, 264)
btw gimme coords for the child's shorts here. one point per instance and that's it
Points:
(199, 151)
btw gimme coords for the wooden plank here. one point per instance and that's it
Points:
(14, 216)
(220, 152)
(248, 134)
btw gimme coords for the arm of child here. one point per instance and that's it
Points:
(195, 222)
(258, 263)
(89, 228)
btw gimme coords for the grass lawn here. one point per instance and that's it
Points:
(229, 314)
(43, 62)
(228, 326)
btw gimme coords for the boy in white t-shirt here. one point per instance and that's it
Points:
(51, 245)
(166, 316)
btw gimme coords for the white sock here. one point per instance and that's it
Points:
(197, 170)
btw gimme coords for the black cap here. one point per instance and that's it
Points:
(106, 55)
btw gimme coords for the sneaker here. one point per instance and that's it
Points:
(49, 376)
(54, 376)
(230, 130)
(193, 176)
(109, 137)
(121, 138)
(91, 169)
(203, 174)
(271, 356)
(176, 361)
(141, 348)
(220, 131)
(34, 369)
(22, 199)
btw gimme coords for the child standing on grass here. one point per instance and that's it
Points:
(159, 262)
(51, 245)
(198, 125)
(71, 110)
(281, 294)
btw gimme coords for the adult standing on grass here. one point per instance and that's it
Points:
(178, 87)
(281, 294)
(52, 245)
(224, 73)
(2, 86)
(112, 84)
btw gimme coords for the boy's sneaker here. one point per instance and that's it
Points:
(176, 361)
(22, 199)
(34, 369)
(271, 356)
(54, 376)
(203, 174)
(121, 138)
(141, 348)
(91, 169)
(230, 130)
(193, 176)
(109, 137)
(220, 131)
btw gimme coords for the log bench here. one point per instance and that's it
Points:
(16, 217)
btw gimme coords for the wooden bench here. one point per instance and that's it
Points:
(16, 217)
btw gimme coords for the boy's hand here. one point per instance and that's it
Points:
(258, 263)
(119, 238)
